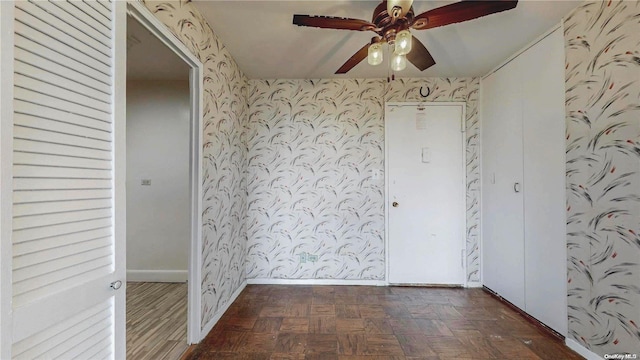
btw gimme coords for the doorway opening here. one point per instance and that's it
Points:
(164, 161)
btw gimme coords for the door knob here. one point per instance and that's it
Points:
(516, 187)
(116, 285)
(395, 204)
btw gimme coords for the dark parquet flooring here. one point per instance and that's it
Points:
(374, 323)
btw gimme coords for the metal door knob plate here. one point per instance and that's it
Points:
(116, 285)
(395, 204)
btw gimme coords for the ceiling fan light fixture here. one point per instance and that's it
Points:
(403, 42)
(398, 62)
(375, 54)
(391, 22)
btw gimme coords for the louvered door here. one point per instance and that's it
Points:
(65, 253)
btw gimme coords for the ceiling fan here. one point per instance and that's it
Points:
(392, 21)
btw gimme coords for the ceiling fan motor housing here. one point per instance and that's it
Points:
(389, 25)
(397, 8)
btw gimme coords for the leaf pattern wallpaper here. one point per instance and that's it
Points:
(603, 175)
(224, 151)
(314, 147)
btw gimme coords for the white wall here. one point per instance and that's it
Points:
(158, 224)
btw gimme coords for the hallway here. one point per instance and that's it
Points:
(156, 320)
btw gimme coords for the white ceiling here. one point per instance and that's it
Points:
(266, 45)
(149, 59)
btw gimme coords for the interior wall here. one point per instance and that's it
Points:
(158, 215)
(313, 148)
(224, 151)
(603, 175)
(316, 174)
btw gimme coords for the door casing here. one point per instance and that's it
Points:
(140, 13)
(6, 174)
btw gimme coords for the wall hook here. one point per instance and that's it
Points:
(428, 92)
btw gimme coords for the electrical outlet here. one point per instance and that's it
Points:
(312, 258)
(146, 182)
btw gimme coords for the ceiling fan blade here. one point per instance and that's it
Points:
(354, 60)
(459, 12)
(420, 56)
(330, 22)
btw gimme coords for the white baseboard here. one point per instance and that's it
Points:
(158, 275)
(474, 284)
(216, 317)
(583, 351)
(315, 282)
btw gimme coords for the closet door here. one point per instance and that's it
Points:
(67, 240)
(502, 200)
(544, 171)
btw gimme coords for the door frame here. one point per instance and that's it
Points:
(140, 13)
(463, 107)
(6, 175)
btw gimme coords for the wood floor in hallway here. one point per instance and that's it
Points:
(374, 323)
(156, 320)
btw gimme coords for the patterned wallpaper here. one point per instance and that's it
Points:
(603, 175)
(225, 155)
(314, 146)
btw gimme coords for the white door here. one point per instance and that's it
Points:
(67, 230)
(502, 187)
(425, 209)
(545, 232)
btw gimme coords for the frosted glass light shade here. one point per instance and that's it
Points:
(404, 5)
(403, 42)
(375, 54)
(398, 62)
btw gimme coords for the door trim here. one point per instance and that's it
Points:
(140, 13)
(463, 107)
(6, 175)
(120, 176)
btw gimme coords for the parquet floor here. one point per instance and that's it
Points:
(156, 320)
(374, 323)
